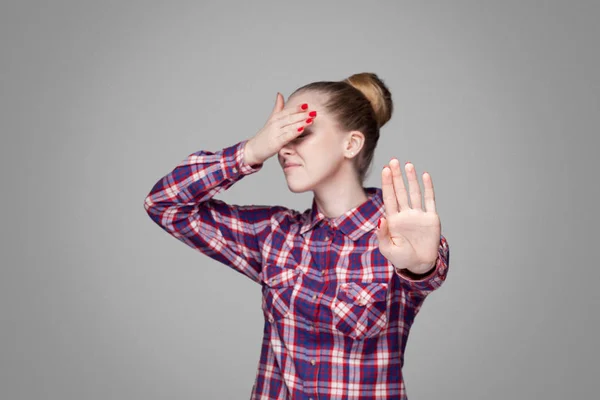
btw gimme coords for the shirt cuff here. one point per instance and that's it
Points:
(233, 162)
(427, 282)
(407, 274)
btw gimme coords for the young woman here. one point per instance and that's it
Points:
(342, 281)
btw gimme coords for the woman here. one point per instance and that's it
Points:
(339, 293)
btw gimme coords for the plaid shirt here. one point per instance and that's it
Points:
(337, 312)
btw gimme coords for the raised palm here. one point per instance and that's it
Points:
(409, 235)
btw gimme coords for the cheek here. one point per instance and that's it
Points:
(325, 160)
(320, 155)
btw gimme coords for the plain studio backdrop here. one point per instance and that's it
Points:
(498, 100)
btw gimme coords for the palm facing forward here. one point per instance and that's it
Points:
(409, 236)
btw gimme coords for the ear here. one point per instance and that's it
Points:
(354, 142)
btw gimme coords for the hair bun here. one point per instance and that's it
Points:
(376, 92)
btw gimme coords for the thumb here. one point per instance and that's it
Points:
(279, 103)
(383, 236)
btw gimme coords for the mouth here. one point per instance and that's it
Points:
(290, 166)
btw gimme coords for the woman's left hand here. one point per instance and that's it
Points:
(409, 236)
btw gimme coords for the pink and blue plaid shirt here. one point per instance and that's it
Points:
(337, 312)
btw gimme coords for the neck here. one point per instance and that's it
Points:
(335, 199)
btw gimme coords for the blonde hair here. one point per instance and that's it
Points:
(361, 102)
(376, 92)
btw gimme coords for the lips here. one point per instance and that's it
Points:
(288, 163)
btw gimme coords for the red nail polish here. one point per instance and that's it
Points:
(300, 129)
(379, 223)
(304, 106)
(312, 114)
(308, 121)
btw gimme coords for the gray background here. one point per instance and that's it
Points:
(499, 101)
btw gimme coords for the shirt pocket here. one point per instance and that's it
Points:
(278, 290)
(360, 309)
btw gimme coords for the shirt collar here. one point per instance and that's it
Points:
(353, 223)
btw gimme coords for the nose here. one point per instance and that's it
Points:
(286, 149)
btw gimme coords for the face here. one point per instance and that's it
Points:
(321, 149)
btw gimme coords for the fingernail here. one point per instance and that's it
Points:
(308, 121)
(304, 106)
(379, 223)
(300, 129)
(312, 113)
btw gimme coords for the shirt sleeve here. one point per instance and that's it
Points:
(182, 204)
(423, 285)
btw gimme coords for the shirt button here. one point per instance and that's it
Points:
(234, 170)
(313, 362)
(314, 296)
(323, 272)
(326, 237)
(271, 319)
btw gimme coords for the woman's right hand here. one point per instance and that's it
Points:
(283, 126)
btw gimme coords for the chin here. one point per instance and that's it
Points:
(295, 188)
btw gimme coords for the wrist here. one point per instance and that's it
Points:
(416, 276)
(420, 273)
(249, 158)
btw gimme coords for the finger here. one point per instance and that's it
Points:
(279, 103)
(289, 118)
(383, 236)
(399, 188)
(413, 186)
(298, 128)
(295, 131)
(292, 116)
(429, 193)
(280, 107)
(387, 191)
(305, 117)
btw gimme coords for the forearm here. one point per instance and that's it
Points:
(196, 179)
(249, 158)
